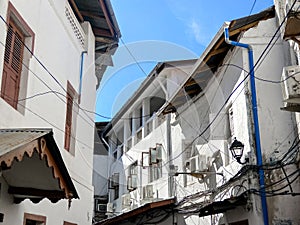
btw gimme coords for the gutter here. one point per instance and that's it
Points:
(255, 120)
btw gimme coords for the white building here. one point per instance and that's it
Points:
(52, 58)
(177, 168)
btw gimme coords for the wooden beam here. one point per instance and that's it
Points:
(52, 194)
(92, 15)
(107, 17)
(76, 10)
(217, 51)
(102, 32)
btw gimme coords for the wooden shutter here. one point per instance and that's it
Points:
(69, 112)
(68, 122)
(13, 57)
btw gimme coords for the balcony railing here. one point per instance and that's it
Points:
(139, 135)
(150, 125)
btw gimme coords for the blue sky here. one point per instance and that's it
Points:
(161, 30)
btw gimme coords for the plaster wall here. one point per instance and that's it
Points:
(60, 52)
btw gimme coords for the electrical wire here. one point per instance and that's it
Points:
(256, 65)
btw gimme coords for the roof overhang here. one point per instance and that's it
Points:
(151, 211)
(32, 166)
(223, 206)
(100, 15)
(212, 58)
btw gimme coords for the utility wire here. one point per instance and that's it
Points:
(269, 45)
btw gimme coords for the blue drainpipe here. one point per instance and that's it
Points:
(256, 125)
(81, 71)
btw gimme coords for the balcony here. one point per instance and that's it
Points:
(150, 125)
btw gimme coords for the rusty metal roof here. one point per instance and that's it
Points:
(11, 139)
(137, 215)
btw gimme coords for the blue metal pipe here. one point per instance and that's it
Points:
(81, 71)
(256, 124)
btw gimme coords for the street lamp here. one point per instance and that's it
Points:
(237, 149)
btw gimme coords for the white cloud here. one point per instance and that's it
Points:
(202, 36)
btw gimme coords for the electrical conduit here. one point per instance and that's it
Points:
(256, 124)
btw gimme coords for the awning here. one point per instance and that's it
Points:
(222, 206)
(148, 213)
(33, 167)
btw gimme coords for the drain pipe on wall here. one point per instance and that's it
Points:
(256, 124)
(81, 74)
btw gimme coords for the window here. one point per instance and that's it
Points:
(70, 119)
(68, 223)
(14, 81)
(187, 148)
(31, 219)
(132, 177)
(114, 184)
(155, 171)
(229, 135)
(155, 163)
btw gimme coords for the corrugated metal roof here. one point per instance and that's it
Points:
(11, 139)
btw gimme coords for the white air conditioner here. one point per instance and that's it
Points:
(198, 163)
(291, 84)
(110, 207)
(148, 192)
(126, 201)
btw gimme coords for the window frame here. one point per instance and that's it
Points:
(14, 17)
(69, 223)
(70, 118)
(37, 218)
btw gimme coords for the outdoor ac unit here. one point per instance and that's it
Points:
(110, 207)
(148, 192)
(291, 84)
(126, 201)
(198, 163)
(101, 207)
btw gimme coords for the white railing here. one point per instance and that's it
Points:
(75, 25)
(138, 135)
(129, 143)
(150, 125)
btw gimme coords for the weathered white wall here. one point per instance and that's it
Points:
(276, 125)
(59, 50)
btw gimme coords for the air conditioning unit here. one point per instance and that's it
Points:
(291, 84)
(198, 163)
(110, 208)
(126, 201)
(148, 192)
(101, 208)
